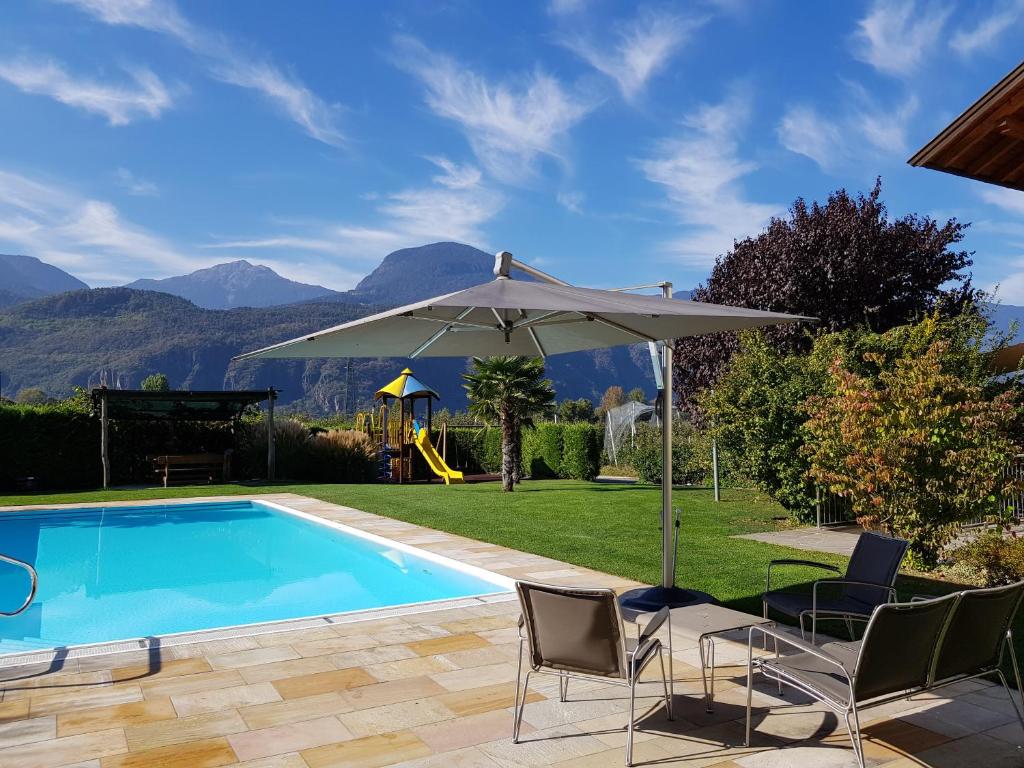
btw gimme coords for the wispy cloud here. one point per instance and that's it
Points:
(225, 61)
(566, 7)
(571, 201)
(642, 47)
(701, 171)
(454, 207)
(864, 128)
(508, 125)
(120, 103)
(1009, 200)
(134, 185)
(896, 35)
(988, 30)
(89, 237)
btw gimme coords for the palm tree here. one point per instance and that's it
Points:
(508, 389)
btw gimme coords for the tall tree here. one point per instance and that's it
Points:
(508, 390)
(845, 262)
(156, 382)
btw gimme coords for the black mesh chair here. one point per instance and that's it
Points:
(867, 584)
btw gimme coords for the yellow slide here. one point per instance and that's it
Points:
(434, 460)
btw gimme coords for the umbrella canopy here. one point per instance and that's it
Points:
(515, 317)
(406, 385)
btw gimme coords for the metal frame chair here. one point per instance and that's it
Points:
(907, 648)
(573, 632)
(868, 582)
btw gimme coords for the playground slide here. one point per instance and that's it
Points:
(434, 459)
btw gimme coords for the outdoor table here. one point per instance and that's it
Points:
(702, 622)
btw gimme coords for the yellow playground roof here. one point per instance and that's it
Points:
(406, 385)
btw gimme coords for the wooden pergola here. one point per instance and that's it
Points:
(986, 142)
(178, 405)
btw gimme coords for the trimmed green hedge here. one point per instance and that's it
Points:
(48, 447)
(571, 451)
(542, 450)
(581, 453)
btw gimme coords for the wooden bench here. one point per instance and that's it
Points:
(193, 468)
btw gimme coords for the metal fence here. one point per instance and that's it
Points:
(835, 510)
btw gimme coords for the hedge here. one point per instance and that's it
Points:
(571, 451)
(48, 446)
(542, 450)
(581, 453)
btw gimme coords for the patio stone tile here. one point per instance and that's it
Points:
(13, 710)
(958, 718)
(643, 753)
(334, 644)
(409, 634)
(470, 757)
(212, 647)
(114, 716)
(371, 627)
(27, 731)
(476, 700)
(64, 682)
(1011, 733)
(479, 624)
(392, 692)
(543, 747)
(368, 657)
(226, 698)
(205, 681)
(368, 752)
(279, 670)
(292, 737)
(206, 753)
(64, 750)
(322, 682)
(611, 729)
(810, 756)
(469, 731)
(413, 667)
(395, 717)
(475, 677)
(160, 669)
(271, 639)
(251, 658)
(448, 644)
(55, 703)
(976, 750)
(291, 760)
(183, 729)
(481, 657)
(294, 710)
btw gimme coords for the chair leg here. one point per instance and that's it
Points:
(764, 612)
(1013, 699)
(703, 669)
(803, 632)
(776, 659)
(711, 656)
(563, 688)
(814, 629)
(750, 682)
(664, 684)
(849, 628)
(515, 709)
(1016, 677)
(855, 740)
(858, 745)
(629, 727)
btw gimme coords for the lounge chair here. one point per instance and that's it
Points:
(571, 632)
(907, 648)
(868, 583)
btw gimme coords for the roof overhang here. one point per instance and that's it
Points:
(986, 142)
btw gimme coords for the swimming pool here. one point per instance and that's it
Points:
(118, 573)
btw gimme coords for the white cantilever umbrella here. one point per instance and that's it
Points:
(516, 317)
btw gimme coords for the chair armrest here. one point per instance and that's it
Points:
(789, 561)
(799, 644)
(654, 624)
(890, 592)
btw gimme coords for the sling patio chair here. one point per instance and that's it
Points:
(574, 632)
(907, 648)
(868, 583)
(894, 660)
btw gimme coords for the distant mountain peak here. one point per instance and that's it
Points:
(233, 284)
(26, 278)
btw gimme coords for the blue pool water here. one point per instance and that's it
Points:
(116, 573)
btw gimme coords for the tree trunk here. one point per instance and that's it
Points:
(507, 444)
(517, 451)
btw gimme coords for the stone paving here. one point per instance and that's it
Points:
(839, 540)
(435, 689)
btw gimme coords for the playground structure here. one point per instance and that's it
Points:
(403, 437)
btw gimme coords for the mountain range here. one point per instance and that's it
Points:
(120, 335)
(23, 278)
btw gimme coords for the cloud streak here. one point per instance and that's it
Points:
(988, 30)
(225, 61)
(145, 96)
(896, 35)
(510, 126)
(642, 48)
(701, 172)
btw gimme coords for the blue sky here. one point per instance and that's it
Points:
(608, 143)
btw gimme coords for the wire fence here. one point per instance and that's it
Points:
(832, 510)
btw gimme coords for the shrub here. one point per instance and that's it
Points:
(687, 454)
(291, 452)
(581, 453)
(341, 456)
(542, 450)
(58, 445)
(918, 451)
(990, 560)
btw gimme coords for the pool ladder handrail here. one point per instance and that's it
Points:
(32, 592)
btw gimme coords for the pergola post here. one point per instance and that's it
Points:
(271, 448)
(104, 439)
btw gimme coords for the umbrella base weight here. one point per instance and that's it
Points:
(650, 599)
